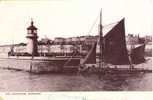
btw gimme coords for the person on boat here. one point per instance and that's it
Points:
(130, 61)
(80, 69)
(83, 68)
(115, 67)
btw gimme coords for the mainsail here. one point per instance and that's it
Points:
(91, 56)
(137, 54)
(115, 51)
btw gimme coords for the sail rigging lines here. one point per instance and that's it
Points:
(111, 24)
(93, 24)
(105, 27)
(68, 61)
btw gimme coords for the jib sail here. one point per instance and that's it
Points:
(91, 56)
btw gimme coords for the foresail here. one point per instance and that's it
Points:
(91, 56)
(137, 54)
(115, 51)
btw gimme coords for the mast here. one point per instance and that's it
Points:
(12, 47)
(100, 42)
(132, 47)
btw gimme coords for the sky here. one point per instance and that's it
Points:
(68, 18)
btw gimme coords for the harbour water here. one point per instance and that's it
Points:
(18, 81)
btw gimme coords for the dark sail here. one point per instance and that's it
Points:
(137, 54)
(91, 56)
(115, 51)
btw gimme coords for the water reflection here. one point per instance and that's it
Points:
(24, 81)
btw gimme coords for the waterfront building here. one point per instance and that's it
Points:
(4, 49)
(20, 48)
(55, 48)
(132, 39)
(46, 40)
(59, 40)
(148, 38)
(75, 39)
(68, 40)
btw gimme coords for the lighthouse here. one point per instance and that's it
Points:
(32, 40)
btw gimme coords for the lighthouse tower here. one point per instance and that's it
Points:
(32, 40)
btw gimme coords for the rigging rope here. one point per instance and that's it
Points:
(109, 25)
(104, 26)
(69, 59)
(93, 24)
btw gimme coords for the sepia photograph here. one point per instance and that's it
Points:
(76, 45)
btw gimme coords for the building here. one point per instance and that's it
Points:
(59, 40)
(148, 38)
(132, 39)
(45, 40)
(68, 40)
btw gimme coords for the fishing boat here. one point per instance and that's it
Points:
(113, 53)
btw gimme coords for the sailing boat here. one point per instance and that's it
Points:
(113, 48)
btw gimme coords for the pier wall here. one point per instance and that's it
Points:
(15, 64)
(36, 66)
